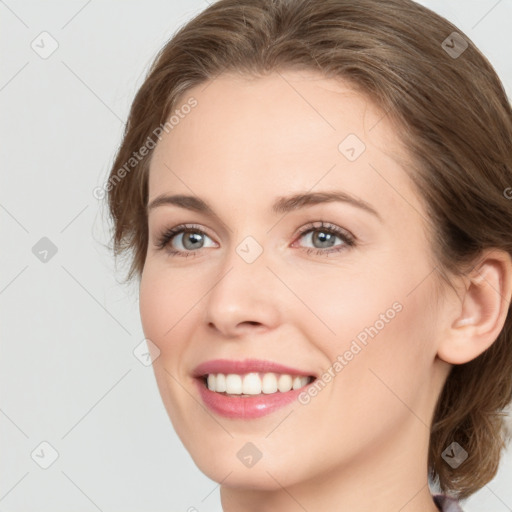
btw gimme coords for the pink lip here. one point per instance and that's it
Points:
(246, 366)
(245, 407)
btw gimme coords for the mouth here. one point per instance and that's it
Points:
(251, 388)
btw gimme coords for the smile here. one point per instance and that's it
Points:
(250, 388)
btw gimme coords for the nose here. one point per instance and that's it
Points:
(246, 297)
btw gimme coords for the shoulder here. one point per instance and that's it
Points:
(446, 503)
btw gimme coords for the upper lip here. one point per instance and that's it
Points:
(226, 366)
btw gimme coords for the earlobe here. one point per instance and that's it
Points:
(483, 309)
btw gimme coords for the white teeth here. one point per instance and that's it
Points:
(234, 384)
(297, 383)
(269, 383)
(220, 383)
(254, 383)
(251, 384)
(284, 383)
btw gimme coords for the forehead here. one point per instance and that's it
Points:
(254, 138)
(282, 113)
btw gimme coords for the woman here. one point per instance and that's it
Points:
(316, 199)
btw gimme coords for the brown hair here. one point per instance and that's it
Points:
(456, 123)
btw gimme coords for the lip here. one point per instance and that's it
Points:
(249, 407)
(246, 366)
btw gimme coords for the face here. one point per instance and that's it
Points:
(336, 285)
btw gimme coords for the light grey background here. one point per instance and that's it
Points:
(68, 373)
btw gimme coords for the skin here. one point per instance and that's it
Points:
(361, 443)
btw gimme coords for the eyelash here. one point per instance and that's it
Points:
(348, 239)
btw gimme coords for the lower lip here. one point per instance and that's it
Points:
(248, 407)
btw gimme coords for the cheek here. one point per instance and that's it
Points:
(163, 303)
(390, 376)
(379, 322)
(339, 303)
(167, 311)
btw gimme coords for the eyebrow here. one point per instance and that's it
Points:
(281, 205)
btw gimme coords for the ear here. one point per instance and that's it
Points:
(482, 310)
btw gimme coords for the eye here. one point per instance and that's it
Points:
(190, 237)
(323, 236)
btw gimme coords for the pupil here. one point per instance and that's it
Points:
(324, 238)
(189, 236)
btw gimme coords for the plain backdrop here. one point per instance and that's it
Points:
(74, 397)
